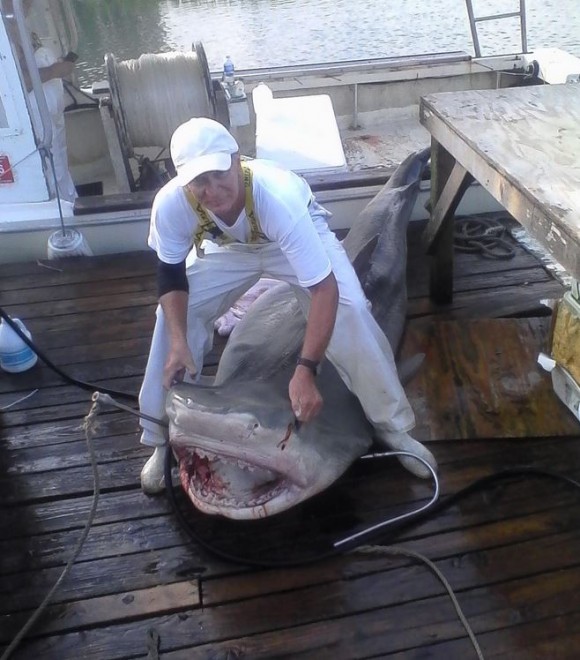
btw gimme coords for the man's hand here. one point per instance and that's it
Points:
(304, 395)
(62, 68)
(179, 361)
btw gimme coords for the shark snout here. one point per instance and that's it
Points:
(241, 437)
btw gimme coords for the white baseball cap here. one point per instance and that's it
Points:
(201, 145)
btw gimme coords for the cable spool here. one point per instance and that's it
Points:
(153, 95)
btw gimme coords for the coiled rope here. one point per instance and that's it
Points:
(482, 235)
(157, 92)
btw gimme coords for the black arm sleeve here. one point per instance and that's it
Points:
(171, 277)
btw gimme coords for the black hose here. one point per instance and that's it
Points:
(394, 530)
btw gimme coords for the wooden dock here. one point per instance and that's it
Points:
(141, 588)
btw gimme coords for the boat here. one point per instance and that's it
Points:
(344, 126)
(510, 550)
(140, 586)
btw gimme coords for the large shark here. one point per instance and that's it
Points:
(240, 452)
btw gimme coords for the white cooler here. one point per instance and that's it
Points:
(299, 132)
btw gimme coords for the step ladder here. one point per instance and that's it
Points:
(474, 20)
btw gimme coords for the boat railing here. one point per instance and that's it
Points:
(474, 20)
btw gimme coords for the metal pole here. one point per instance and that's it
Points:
(38, 91)
(523, 26)
(473, 28)
(355, 109)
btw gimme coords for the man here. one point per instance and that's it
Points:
(259, 220)
(52, 71)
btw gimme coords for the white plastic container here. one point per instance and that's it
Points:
(298, 132)
(15, 354)
(567, 390)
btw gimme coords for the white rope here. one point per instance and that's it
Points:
(405, 552)
(158, 93)
(89, 426)
(20, 400)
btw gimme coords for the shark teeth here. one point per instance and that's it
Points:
(229, 500)
(224, 481)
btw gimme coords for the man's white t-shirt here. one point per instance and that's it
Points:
(281, 201)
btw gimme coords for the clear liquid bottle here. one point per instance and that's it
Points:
(229, 71)
(15, 354)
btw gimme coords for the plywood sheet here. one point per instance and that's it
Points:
(480, 379)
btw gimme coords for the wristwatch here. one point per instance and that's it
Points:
(310, 364)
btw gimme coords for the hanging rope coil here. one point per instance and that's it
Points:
(155, 93)
(483, 235)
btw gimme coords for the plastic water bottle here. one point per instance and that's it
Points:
(229, 71)
(15, 354)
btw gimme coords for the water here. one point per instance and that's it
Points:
(278, 32)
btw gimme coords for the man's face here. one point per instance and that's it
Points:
(219, 191)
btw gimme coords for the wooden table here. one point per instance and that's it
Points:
(523, 146)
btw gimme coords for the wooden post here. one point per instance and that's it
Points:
(449, 181)
(441, 279)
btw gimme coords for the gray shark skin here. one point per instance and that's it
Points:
(240, 453)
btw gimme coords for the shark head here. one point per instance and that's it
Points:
(240, 453)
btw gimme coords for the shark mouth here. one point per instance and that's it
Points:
(230, 485)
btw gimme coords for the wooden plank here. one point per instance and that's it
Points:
(61, 515)
(472, 282)
(48, 434)
(481, 379)
(441, 262)
(112, 609)
(71, 270)
(421, 609)
(103, 303)
(368, 634)
(115, 475)
(115, 202)
(506, 301)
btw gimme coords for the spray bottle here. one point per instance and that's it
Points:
(15, 354)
